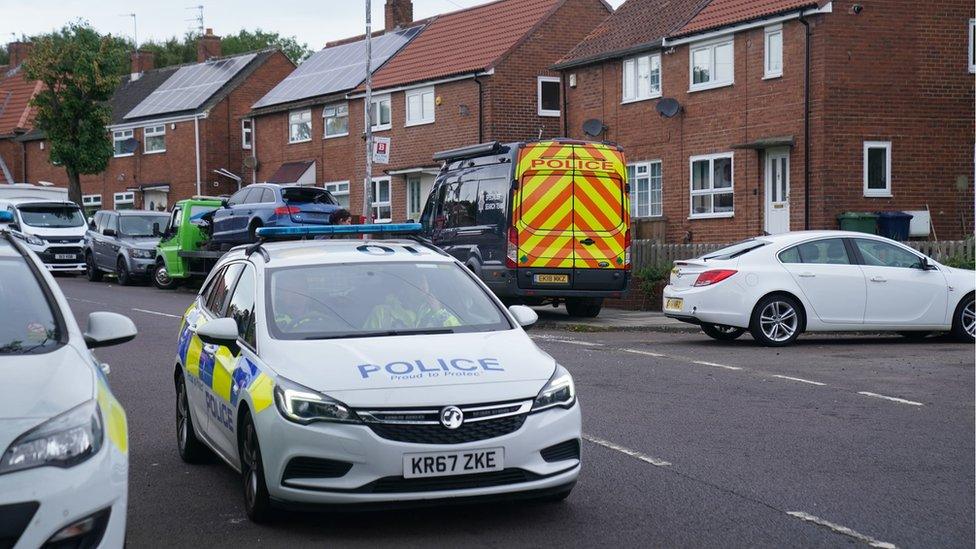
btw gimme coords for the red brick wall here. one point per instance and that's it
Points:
(10, 152)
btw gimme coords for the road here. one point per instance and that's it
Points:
(839, 440)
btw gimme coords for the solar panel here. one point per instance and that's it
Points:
(336, 69)
(190, 86)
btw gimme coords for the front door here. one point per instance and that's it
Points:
(777, 191)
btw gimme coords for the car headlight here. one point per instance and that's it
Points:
(140, 254)
(33, 240)
(559, 391)
(303, 405)
(63, 441)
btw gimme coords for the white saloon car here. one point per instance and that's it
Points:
(345, 372)
(777, 287)
(63, 437)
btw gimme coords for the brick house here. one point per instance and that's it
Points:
(176, 131)
(16, 114)
(736, 121)
(473, 75)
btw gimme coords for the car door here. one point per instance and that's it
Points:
(900, 290)
(94, 234)
(108, 244)
(830, 280)
(224, 218)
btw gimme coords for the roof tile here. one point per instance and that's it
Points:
(722, 13)
(16, 91)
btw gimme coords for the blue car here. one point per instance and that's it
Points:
(270, 205)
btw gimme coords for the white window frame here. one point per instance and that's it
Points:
(635, 94)
(326, 118)
(377, 100)
(157, 131)
(711, 183)
(538, 95)
(121, 135)
(711, 46)
(378, 203)
(768, 70)
(333, 187)
(646, 174)
(123, 198)
(247, 133)
(91, 200)
(972, 44)
(301, 114)
(877, 193)
(425, 118)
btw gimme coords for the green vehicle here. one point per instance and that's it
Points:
(182, 251)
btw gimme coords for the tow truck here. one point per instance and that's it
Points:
(184, 250)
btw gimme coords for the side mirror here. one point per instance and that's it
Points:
(221, 331)
(106, 329)
(109, 232)
(91, 224)
(525, 316)
(926, 266)
(224, 203)
(156, 229)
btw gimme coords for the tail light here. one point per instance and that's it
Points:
(511, 255)
(627, 249)
(287, 210)
(714, 276)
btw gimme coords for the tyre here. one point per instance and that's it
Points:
(777, 321)
(584, 307)
(722, 332)
(91, 271)
(191, 449)
(257, 502)
(252, 232)
(915, 336)
(122, 273)
(964, 320)
(161, 278)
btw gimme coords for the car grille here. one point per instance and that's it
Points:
(47, 256)
(562, 451)
(396, 485)
(14, 519)
(422, 426)
(308, 467)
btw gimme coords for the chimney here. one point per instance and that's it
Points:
(18, 51)
(142, 61)
(208, 46)
(399, 13)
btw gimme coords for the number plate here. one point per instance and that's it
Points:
(673, 304)
(64, 256)
(551, 279)
(442, 464)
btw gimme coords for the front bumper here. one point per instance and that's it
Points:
(48, 256)
(141, 267)
(378, 462)
(724, 304)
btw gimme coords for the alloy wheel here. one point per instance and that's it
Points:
(969, 318)
(181, 415)
(251, 464)
(778, 321)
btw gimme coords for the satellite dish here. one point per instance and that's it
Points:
(594, 127)
(668, 107)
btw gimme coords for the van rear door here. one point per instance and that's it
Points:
(542, 210)
(601, 215)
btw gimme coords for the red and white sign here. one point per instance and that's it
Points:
(381, 150)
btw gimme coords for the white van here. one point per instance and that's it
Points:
(49, 224)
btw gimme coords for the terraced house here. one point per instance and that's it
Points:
(16, 114)
(740, 117)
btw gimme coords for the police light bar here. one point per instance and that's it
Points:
(316, 230)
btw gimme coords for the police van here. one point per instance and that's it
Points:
(538, 222)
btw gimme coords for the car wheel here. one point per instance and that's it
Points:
(722, 332)
(257, 502)
(161, 278)
(584, 307)
(122, 273)
(252, 232)
(91, 271)
(964, 320)
(191, 449)
(915, 336)
(776, 321)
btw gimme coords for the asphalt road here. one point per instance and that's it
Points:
(839, 440)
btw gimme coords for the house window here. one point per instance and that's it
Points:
(340, 190)
(877, 168)
(972, 45)
(420, 106)
(122, 143)
(382, 212)
(247, 133)
(91, 203)
(300, 126)
(774, 52)
(711, 185)
(415, 198)
(645, 189)
(124, 201)
(547, 95)
(336, 119)
(379, 112)
(642, 78)
(154, 139)
(712, 65)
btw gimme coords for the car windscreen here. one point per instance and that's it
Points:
(28, 325)
(307, 195)
(735, 250)
(377, 299)
(141, 225)
(54, 216)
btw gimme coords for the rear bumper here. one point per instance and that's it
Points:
(725, 304)
(602, 283)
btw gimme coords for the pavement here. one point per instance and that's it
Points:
(837, 441)
(556, 318)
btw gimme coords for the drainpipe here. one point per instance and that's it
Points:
(481, 107)
(565, 112)
(196, 134)
(806, 123)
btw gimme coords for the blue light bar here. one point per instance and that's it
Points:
(316, 230)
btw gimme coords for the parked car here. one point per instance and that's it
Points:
(539, 222)
(53, 228)
(182, 251)
(123, 243)
(777, 287)
(63, 437)
(270, 205)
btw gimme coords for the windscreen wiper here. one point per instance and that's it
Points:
(385, 333)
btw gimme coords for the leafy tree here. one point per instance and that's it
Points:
(79, 69)
(175, 51)
(4, 56)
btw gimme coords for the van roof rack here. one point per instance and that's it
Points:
(471, 151)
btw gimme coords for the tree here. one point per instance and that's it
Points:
(175, 51)
(79, 70)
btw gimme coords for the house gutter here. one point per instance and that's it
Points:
(806, 122)
(481, 110)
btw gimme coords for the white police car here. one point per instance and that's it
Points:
(345, 372)
(63, 439)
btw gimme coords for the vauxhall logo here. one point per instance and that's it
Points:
(452, 417)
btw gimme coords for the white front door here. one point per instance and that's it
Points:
(777, 191)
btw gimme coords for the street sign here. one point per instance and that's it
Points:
(381, 150)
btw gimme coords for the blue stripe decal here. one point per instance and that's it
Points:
(206, 368)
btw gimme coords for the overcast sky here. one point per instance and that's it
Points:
(314, 22)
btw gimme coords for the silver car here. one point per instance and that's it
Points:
(123, 243)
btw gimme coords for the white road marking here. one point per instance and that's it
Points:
(86, 301)
(800, 379)
(843, 530)
(715, 364)
(156, 313)
(624, 450)
(575, 342)
(893, 399)
(639, 352)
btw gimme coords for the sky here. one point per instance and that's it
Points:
(313, 22)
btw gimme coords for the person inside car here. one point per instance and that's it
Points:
(418, 309)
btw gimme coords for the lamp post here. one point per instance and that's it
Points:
(368, 119)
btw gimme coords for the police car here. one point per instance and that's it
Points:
(366, 372)
(63, 437)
